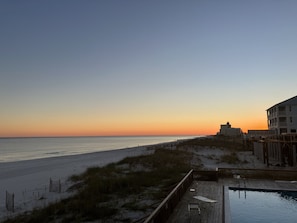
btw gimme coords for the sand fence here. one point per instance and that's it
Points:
(37, 183)
(30, 199)
(9, 201)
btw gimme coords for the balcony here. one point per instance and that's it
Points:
(282, 113)
(282, 124)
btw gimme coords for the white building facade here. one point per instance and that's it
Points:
(282, 117)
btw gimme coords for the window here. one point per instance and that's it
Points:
(293, 130)
(291, 119)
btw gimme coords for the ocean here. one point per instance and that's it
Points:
(17, 149)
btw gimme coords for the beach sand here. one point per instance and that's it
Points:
(29, 180)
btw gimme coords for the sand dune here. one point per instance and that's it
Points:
(29, 180)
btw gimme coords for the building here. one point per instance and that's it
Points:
(282, 117)
(227, 130)
(259, 134)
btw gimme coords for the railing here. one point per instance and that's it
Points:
(165, 209)
(282, 124)
(281, 113)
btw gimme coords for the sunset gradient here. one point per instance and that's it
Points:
(86, 68)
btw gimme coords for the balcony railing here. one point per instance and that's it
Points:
(282, 124)
(281, 113)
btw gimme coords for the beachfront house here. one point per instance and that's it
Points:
(227, 130)
(282, 117)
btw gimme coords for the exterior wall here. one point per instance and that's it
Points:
(258, 150)
(282, 117)
(228, 131)
(224, 129)
(292, 119)
(280, 150)
(234, 132)
(294, 155)
(274, 153)
(258, 134)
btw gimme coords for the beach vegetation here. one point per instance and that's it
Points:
(135, 184)
(231, 143)
(231, 158)
(211, 156)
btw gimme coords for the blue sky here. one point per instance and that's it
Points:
(128, 67)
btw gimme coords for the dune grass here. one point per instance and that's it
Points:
(231, 158)
(104, 193)
(232, 143)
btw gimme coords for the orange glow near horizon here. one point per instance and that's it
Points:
(129, 122)
(254, 124)
(124, 129)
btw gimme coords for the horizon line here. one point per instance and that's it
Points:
(90, 136)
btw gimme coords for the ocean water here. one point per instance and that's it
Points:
(263, 206)
(16, 149)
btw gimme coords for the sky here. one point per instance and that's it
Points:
(115, 67)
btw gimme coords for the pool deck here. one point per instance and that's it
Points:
(213, 212)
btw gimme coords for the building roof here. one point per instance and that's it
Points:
(289, 101)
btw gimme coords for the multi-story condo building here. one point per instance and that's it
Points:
(282, 117)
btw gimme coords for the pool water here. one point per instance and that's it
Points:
(263, 206)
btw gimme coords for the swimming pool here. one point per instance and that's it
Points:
(262, 206)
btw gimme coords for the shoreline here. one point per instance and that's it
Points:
(39, 148)
(29, 180)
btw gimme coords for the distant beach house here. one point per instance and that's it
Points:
(227, 130)
(282, 117)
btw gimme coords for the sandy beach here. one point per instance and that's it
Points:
(29, 180)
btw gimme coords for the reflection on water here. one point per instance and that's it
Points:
(263, 206)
